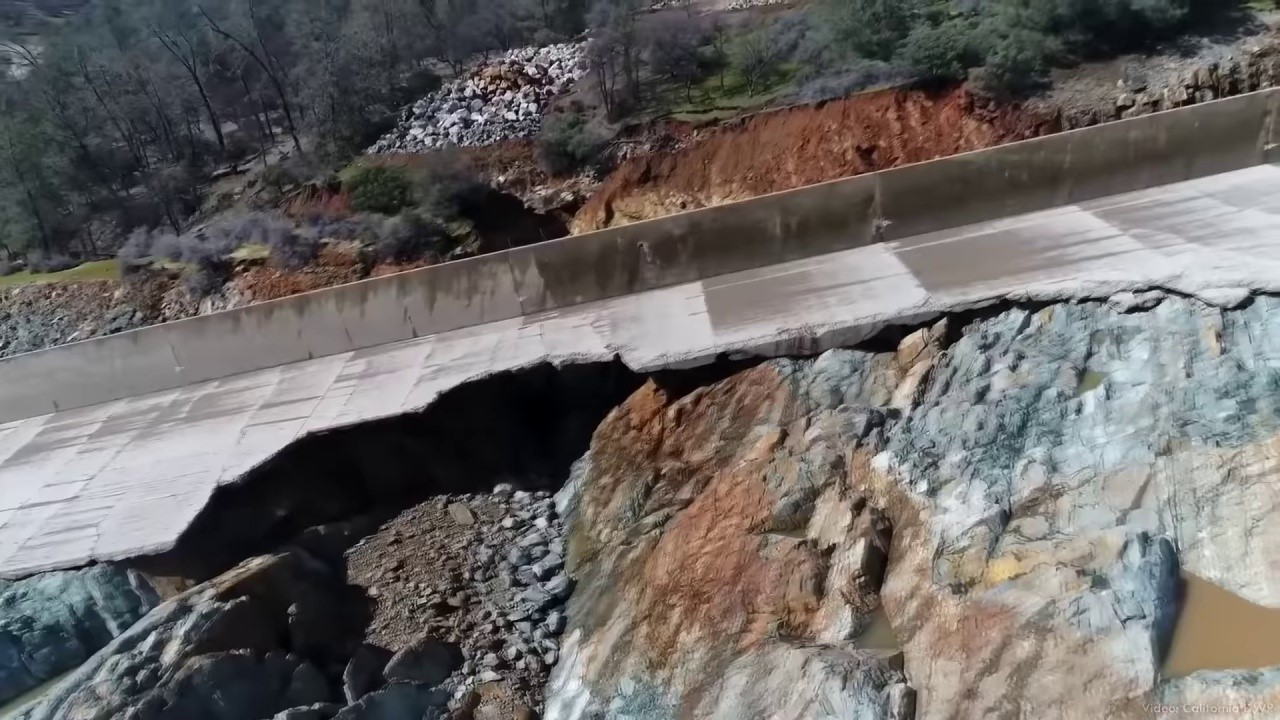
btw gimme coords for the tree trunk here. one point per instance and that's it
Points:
(188, 61)
(272, 75)
(30, 195)
(213, 116)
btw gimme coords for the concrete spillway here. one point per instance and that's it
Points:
(109, 448)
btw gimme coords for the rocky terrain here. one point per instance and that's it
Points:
(33, 317)
(452, 609)
(484, 573)
(781, 149)
(1030, 483)
(1140, 91)
(1017, 492)
(496, 100)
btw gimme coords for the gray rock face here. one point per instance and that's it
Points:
(51, 623)
(1030, 484)
(214, 652)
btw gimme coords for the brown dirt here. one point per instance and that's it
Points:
(314, 199)
(792, 147)
(338, 264)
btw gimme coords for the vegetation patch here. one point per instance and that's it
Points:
(96, 270)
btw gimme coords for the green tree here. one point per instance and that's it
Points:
(1017, 62)
(870, 28)
(945, 51)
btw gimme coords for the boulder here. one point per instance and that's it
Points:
(426, 661)
(233, 686)
(213, 652)
(462, 515)
(51, 623)
(398, 701)
(363, 673)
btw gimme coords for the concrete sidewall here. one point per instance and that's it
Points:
(1021, 177)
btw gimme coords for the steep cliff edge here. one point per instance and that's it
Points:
(1039, 478)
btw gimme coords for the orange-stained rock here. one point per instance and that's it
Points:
(713, 541)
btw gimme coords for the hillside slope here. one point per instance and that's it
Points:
(796, 146)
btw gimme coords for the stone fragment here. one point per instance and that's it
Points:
(363, 673)
(462, 514)
(426, 661)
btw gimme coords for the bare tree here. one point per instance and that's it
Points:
(757, 57)
(261, 54)
(674, 51)
(186, 49)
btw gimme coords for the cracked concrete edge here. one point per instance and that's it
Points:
(806, 341)
(815, 341)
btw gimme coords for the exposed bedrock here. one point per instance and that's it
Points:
(1038, 476)
(1016, 491)
(53, 622)
(266, 637)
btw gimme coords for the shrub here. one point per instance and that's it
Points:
(205, 278)
(942, 52)
(1093, 27)
(862, 76)
(38, 263)
(290, 248)
(364, 228)
(165, 246)
(570, 142)
(1016, 64)
(7, 268)
(446, 186)
(410, 236)
(379, 189)
(136, 250)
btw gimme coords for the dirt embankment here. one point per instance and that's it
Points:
(792, 147)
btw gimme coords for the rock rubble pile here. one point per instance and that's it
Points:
(482, 573)
(463, 597)
(1234, 75)
(746, 4)
(497, 100)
